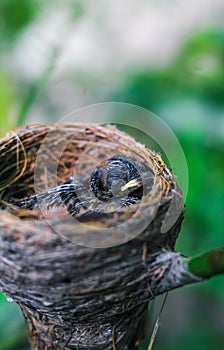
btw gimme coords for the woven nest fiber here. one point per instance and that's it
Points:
(83, 281)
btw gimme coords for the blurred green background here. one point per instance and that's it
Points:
(165, 56)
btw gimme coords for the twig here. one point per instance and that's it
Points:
(157, 324)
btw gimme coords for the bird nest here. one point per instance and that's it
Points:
(65, 191)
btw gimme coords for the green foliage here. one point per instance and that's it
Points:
(202, 63)
(15, 15)
(13, 334)
(7, 101)
(197, 73)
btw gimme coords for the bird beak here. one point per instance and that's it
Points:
(130, 184)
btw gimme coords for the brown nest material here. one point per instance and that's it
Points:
(83, 281)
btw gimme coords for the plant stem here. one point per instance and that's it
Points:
(208, 264)
(36, 89)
